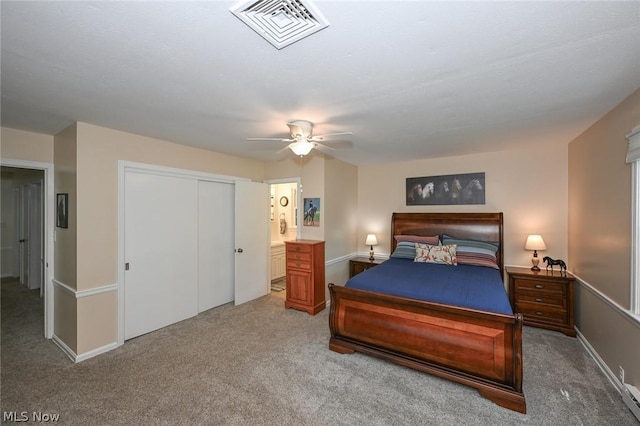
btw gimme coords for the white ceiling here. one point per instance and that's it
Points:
(410, 79)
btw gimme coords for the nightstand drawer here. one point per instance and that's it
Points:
(542, 313)
(546, 298)
(540, 286)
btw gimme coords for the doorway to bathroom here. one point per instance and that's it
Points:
(284, 225)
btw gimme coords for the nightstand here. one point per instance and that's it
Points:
(360, 264)
(545, 298)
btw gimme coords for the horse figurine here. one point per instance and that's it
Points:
(551, 262)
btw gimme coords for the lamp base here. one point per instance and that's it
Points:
(535, 262)
(371, 258)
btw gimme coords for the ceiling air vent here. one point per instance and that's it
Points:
(281, 22)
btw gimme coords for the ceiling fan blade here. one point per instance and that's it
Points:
(321, 137)
(270, 139)
(319, 145)
(283, 150)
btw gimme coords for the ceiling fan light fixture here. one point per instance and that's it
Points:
(301, 148)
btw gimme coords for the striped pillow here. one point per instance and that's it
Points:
(474, 252)
(405, 250)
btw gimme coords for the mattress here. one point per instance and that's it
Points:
(468, 286)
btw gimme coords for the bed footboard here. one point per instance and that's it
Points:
(478, 349)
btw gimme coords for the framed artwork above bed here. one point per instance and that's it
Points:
(467, 188)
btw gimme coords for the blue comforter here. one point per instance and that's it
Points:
(475, 287)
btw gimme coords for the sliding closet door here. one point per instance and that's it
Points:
(215, 244)
(161, 230)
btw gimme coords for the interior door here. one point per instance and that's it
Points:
(161, 251)
(19, 252)
(215, 244)
(35, 254)
(252, 241)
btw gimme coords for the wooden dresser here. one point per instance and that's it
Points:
(545, 298)
(305, 276)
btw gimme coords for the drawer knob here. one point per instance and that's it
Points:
(539, 300)
(297, 248)
(539, 313)
(297, 264)
(539, 286)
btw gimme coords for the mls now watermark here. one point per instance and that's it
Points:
(25, 416)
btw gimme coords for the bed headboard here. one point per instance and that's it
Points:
(475, 226)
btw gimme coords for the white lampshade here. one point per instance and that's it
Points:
(371, 240)
(301, 148)
(535, 242)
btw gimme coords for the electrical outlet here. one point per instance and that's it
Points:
(621, 374)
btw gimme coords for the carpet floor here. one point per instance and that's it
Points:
(261, 364)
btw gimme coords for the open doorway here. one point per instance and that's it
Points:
(23, 236)
(284, 225)
(27, 235)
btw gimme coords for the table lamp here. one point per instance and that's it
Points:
(371, 241)
(535, 243)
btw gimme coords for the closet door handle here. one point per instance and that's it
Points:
(239, 250)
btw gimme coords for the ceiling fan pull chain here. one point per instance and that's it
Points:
(301, 174)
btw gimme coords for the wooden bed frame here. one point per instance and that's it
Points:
(478, 349)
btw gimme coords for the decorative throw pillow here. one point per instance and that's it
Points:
(405, 250)
(445, 254)
(474, 252)
(432, 240)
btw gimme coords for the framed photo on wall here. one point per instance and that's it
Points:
(62, 212)
(311, 212)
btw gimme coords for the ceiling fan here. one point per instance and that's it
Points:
(302, 140)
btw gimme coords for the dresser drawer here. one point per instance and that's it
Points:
(299, 265)
(541, 313)
(541, 286)
(545, 298)
(298, 248)
(298, 257)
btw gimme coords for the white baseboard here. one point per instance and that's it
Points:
(63, 346)
(603, 366)
(85, 356)
(95, 352)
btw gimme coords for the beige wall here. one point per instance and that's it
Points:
(26, 146)
(528, 186)
(98, 323)
(600, 236)
(65, 318)
(65, 246)
(340, 208)
(341, 217)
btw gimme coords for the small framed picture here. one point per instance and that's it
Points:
(311, 212)
(62, 213)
